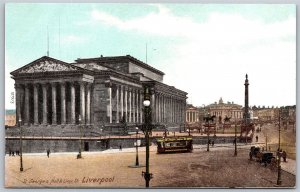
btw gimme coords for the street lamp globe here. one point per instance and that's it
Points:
(146, 103)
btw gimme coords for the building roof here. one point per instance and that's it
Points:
(39, 65)
(117, 59)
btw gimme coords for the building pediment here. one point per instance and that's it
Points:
(46, 64)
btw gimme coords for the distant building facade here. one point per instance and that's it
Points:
(222, 110)
(104, 93)
(10, 117)
(271, 114)
(192, 114)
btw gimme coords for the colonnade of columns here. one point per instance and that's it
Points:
(53, 103)
(192, 116)
(167, 109)
(233, 114)
(125, 103)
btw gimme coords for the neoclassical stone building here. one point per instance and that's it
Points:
(229, 109)
(54, 97)
(192, 114)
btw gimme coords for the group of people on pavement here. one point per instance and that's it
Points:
(12, 153)
(282, 154)
(17, 152)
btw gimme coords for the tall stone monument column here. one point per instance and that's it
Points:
(246, 111)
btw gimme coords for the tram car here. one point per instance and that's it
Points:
(174, 144)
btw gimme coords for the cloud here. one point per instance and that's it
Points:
(162, 22)
(219, 27)
(215, 54)
(71, 39)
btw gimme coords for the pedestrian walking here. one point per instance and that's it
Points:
(9, 152)
(284, 156)
(213, 143)
(13, 153)
(234, 141)
(48, 152)
(120, 148)
(256, 138)
(250, 155)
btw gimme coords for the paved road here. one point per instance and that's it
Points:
(217, 168)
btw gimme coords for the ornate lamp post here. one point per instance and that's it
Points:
(21, 145)
(208, 132)
(80, 145)
(146, 129)
(137, 148)
(278, 153)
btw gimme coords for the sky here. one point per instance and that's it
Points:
(204, 49)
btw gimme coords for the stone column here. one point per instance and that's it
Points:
(130, 106)
(18, 102)
(122, 102)
(126, 104)
(88, 104)
(133, 106)
(27, 115)
(72, 103)
(54, 115)
(158, 107)
(175, 111)
(137, 106)
(82, 101)
(35, 104)
(152, 105)
(110, 105)
(142, 106)
(63, 102)
(180, 112)
(171, 109)
(118, 111)
(45, 109)
(165, 108)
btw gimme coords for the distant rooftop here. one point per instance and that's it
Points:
(114, 59)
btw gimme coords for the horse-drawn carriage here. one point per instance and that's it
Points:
(264, 157)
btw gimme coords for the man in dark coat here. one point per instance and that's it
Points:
(48, 152)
